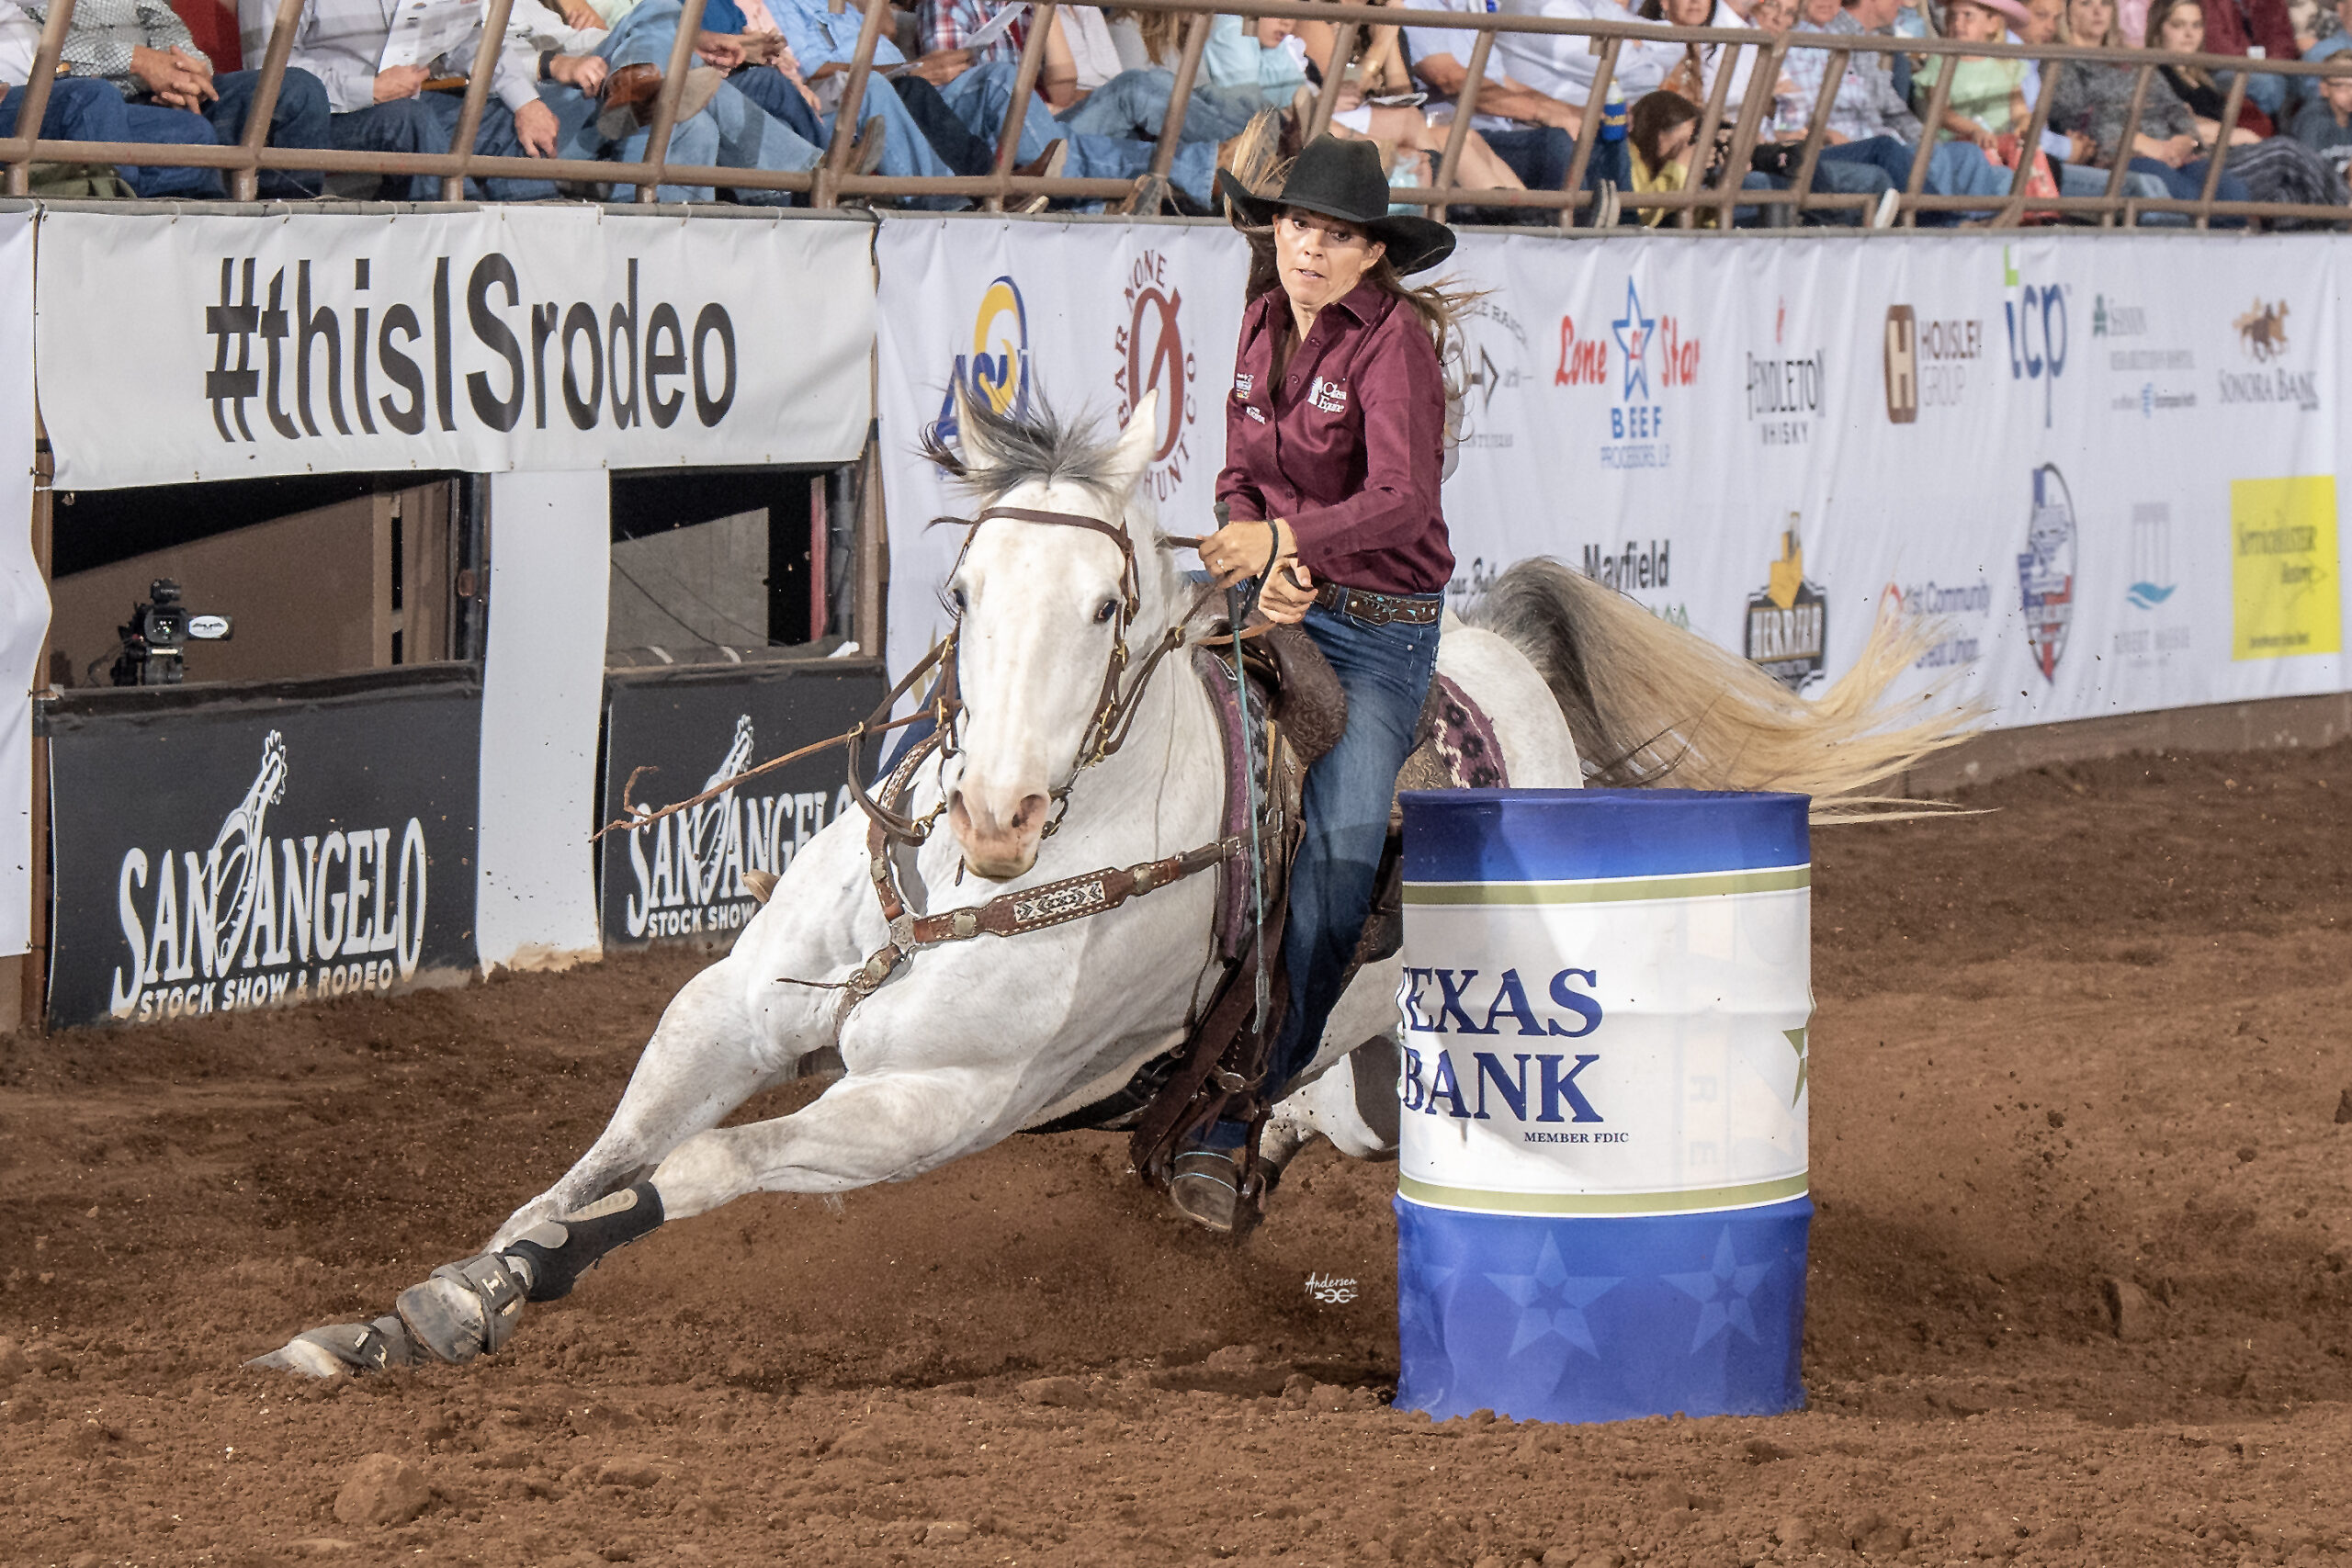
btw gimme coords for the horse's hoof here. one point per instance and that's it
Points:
(464, 1309)
(343, 1348)
(1205, 1187)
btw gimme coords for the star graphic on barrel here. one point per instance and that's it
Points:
(1721, 1292)
(1550, 1301)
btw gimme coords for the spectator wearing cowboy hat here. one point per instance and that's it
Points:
(1335, 444)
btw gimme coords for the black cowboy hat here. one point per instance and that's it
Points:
(1344, 179)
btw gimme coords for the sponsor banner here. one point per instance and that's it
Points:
(228, 852)
(505, 337)
(668, 737)
(2097, 472)
(23, 592)
(1090, 315)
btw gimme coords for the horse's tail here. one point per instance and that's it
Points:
(1650, 703)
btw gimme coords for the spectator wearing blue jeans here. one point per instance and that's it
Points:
(379, 110)
(141, 51)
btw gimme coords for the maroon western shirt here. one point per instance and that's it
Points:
(1348, 449)
(2230, 25)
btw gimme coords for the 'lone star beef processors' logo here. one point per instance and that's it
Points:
(1788, 623)
(1153, 358)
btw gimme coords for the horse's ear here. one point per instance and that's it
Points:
(970, 434)
(1137, 444)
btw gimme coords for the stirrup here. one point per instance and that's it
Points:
(465, 1308)
(1207, 1187)
(343, 1348)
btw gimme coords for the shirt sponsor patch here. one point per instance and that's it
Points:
(1331, 397)
(1242, 381)
(1253, 411)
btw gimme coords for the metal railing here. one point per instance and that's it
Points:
(832, 180)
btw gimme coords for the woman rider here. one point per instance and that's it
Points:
(1335, 444)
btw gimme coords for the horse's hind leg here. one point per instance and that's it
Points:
(1353, 1103)
(703, 1061)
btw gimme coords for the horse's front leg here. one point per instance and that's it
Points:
(706, 1058)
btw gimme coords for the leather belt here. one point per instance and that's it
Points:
(1380, 609)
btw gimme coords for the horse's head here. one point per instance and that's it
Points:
(1042, 608)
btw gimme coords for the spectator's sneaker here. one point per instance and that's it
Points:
(1890, 207)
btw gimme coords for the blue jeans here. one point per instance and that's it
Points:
(2188, 183)
(428, 123)
(1134, 104)
(299, 120)
(981, 95)
(1386, 671)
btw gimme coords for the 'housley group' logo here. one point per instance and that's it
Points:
(1788, 620)
(1154, 357)
(254, 921)
(1654, 352)
(996, 371)
(2046, 570)
(1926, 363)
(689, 867)
(616, 369)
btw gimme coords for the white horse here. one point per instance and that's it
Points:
(969, 1042)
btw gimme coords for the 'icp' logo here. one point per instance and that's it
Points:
(2037, 323)
(996, 371)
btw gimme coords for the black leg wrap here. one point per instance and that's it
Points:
(558, 1252)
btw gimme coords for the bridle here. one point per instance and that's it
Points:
(1114, 706)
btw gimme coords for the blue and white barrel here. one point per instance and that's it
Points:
(1601, 1208)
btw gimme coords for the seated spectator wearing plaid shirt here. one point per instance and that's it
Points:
(143, 51)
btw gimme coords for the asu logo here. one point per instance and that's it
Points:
(996, 371)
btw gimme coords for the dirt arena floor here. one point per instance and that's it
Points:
(2082, 1134)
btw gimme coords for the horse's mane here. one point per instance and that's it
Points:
(1033, 443)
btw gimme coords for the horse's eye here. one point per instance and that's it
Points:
(957, 594)
(1110, 607)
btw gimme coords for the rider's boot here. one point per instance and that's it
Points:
(1210, 1181)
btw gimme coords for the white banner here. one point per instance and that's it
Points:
(24, 596)
(173, 348)
(2105, 462)
(1089, 314)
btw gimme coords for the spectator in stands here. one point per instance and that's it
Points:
(1987, 98)
(2335, 36)
(2274, 168)
(380, 109)
(1695, 69)
(604, 99)
(1869, 122)
(1413, 147)
(2325, 125)
(1134, 100)
(1530, 130)
(1659, 130)
(2093, 97)
(2260, 28)
(142, 50)
(79, 110)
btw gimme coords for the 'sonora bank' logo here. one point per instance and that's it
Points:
(1787, 621)
(1926, 363)
(689, 866)
(996, 371)
(1154, 357)
(254, 921)
(2046, 570)
(2262, 338)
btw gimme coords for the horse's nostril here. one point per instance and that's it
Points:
(1030, 813)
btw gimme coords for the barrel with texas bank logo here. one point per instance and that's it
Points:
(1601, 1208)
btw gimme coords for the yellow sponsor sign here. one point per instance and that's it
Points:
(2284, 595)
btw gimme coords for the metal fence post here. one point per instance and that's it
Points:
(486, 58)
(36, 105)
(665, 107)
